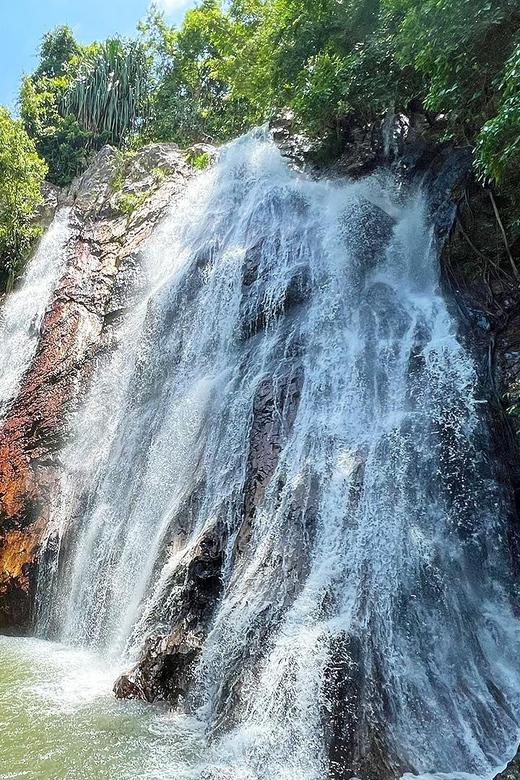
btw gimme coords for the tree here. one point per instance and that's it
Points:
(498, 143)
(458, 47)
(21, 175)
(57, 50)
(109, 94)
(59, 139)
(193, 100)
(80, 98)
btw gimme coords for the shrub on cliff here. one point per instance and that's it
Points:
(81, 97)
(21, 175)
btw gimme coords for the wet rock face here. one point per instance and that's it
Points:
(482, 285)
(101, 277)
(257, 311)
(357, 746)
(274, 410)
(166, 672)
(167, 663)
(165, 669)
(17, 567)
(101, 271)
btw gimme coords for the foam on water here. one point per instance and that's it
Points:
(58, 719)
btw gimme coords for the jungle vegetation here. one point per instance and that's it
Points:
(236, 63)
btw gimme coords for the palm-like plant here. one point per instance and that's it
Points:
(109, 96)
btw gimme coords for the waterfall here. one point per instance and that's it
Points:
(292, 383)
(22, 313)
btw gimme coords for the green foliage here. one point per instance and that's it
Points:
(193, 100)
(109, 93)
(498, 143)
(235, 63)
(21, 176)
(58, 48)
(458, 47)
(201, 161)
(130, 202)
(122, 159)
(321, 49)
(158, 176)
(58, 137)
(80, 98)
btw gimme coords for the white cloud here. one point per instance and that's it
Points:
(169, 6)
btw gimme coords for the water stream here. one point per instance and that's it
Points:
(364, 621)
(22, 312)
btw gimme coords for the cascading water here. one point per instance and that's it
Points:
(364, 624)
(22, 313)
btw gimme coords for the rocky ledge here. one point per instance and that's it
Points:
(512, 770)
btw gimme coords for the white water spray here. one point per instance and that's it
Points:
(22, 313)
(364, 625)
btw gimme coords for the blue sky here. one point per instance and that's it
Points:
(23, 22)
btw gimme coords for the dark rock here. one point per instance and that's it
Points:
(257, 313)
(482, 287)
(512, 770)
(367, 229)
(297, 148)
(447, 172)
(274, 411)
(364, 149)
(165, 668)
(357, 745)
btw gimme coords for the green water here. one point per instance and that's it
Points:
(59, 719)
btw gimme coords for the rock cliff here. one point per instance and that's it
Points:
(114, 207)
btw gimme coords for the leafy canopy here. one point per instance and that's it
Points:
(81, 97)
(21, 175)
(234, 63)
